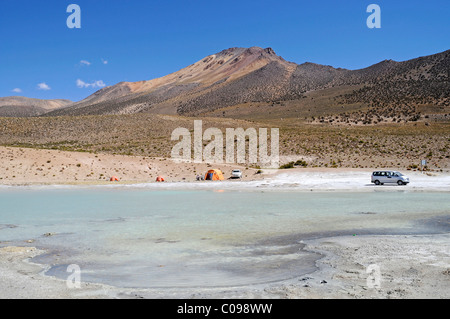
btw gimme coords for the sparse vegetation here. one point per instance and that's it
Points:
(313, 145)
(388, 115)
(287, 165)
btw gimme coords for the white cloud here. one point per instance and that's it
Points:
(84, 62)
(104, 61)
(81, 84)
(17, 90)
(96, 84)
(43, 86)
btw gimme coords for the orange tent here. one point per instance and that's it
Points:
(214, 175)
(160, 179)
(113, 179)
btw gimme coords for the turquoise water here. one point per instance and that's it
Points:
(135, 237)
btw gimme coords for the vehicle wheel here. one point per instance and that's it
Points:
(377, 182)
(400, 183)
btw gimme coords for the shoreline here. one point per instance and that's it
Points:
(298, 180)
(21, 167)
(411, 266)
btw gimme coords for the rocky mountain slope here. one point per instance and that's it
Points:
(256, 76)
(175, 92)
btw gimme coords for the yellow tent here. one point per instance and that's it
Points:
(214, 175)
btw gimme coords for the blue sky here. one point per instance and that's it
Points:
(137, 40)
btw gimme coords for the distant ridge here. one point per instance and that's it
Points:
(19, 106)
(237, 76)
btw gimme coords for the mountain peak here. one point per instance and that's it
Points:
(270, 51)
(239, 75)
(251, 50)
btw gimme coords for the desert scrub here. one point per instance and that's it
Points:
(301, 163)
(287, 165)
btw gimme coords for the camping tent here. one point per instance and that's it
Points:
(114, 179)
(214, 175)
(160, 179)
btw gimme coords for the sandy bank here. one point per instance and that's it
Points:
(21, 166)
(21, 279)
(409, 267)
(24, 166)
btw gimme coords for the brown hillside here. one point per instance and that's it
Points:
(256, 78)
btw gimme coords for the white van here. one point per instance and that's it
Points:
(236, 173)
(381, 177)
